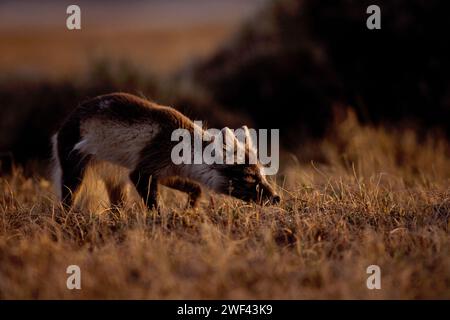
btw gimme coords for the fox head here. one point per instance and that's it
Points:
(245, 180)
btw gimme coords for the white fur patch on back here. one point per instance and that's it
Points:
(116, 142)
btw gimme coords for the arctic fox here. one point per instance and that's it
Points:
(135, 134)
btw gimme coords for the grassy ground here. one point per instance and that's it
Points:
(376, 197)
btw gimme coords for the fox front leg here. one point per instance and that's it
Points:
(147, 187)
(192, 188)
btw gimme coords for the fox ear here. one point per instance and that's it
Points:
(250, 139)
(228, 135)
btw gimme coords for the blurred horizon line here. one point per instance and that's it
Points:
(134, 14)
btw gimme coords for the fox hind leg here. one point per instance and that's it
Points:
(71, 162)
(115, 179)
(73, 167)
(117, 194)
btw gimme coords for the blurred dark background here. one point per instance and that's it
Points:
(288, 64)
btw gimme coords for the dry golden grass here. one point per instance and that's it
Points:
(383, 199)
